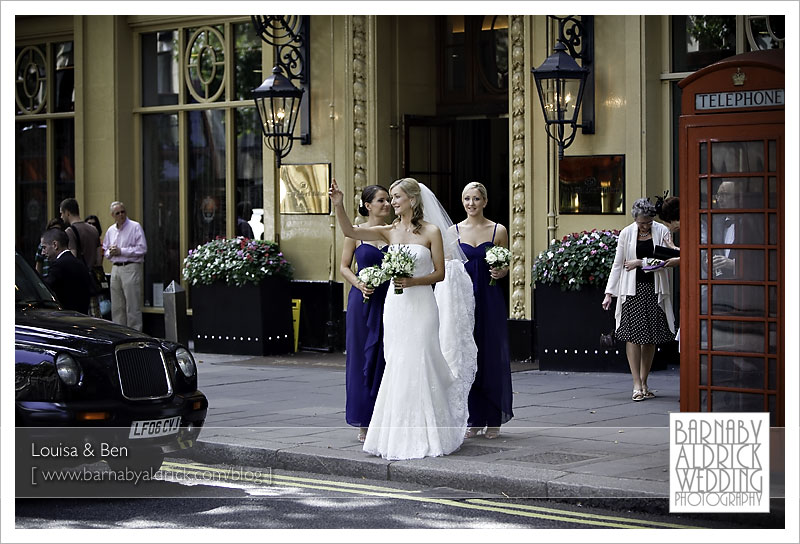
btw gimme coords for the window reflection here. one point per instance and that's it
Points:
(159, 68)
(703, 369)
(737, 336)
(64, 159)
(740, 264)
(493, 48)
(161, 209)
(740, 372)
(30, 187)
(65, 77)
(249, 176)
(247, 50)
(703, 194)
(700, 40)
(730, 401)
(704, 334)
(592, 184)
(773, 382)
(743, 193)
(739, 300)
(737, 157)
(703, 157)
(206, 138)
(737, 228)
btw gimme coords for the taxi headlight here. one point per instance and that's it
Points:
(68, 369)
(185, 362)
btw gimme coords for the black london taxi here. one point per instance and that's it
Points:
(86, 375)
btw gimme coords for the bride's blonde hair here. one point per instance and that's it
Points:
(410, 187)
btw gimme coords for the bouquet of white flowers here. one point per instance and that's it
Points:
(398, 263)
(497, 257)
(372, 277)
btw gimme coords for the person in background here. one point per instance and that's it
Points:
(94, 221)
(41, 262)
(125, 246)
(490, 396)
(644, 299)
(83, 238)
(104, 298)
(364, 342)
(244, 211)
(68, 277)
(668, 210)
(84, 242)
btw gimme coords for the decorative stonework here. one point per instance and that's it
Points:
(517, 242)
(359, 107)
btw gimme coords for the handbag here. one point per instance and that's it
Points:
(607, 340)
(99, 276)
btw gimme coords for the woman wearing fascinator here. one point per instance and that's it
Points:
(668, 210)
(364, 341)
(421, 407)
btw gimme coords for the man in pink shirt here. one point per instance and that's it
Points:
(125, 246)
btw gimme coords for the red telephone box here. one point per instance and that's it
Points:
(732, 236)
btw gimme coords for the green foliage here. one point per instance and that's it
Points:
(578, 259)
(235, 261)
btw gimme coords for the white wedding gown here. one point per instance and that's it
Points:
(421, 407)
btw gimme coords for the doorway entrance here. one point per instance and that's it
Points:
(447, 153)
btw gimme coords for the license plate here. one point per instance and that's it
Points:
(155, 427)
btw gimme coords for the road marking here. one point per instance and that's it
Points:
(292, 478)
(583, 514)
(526, 511)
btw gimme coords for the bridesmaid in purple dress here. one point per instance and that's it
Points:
(490, 396)
(364, 342)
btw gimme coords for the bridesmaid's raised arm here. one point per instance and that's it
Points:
(362, 233)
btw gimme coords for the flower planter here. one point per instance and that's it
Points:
(252, 319)
(568, 326)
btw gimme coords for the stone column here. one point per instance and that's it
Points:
(517, 235)
(359, 81)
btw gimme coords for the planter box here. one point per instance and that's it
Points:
(246, 320)
(568, 329)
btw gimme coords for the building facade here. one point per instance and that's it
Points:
(156, 111)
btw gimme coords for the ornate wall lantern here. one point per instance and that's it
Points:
(564, 86)
(278, 101)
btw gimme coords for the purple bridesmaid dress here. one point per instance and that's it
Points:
(490, 396)
(364, 343)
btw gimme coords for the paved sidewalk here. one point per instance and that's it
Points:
(573, 434)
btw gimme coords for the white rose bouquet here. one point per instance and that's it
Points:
(497, 257)
(372, 277)
(398, 263)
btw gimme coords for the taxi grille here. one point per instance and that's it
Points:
(142, 372)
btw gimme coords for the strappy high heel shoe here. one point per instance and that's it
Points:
(472, 432)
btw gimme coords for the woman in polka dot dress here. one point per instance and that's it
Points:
(644, 299)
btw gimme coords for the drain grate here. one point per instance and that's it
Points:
(475, 451)
(555, 458)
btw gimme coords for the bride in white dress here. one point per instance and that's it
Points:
(431, 356)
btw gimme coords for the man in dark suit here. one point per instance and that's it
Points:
(68, 277)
